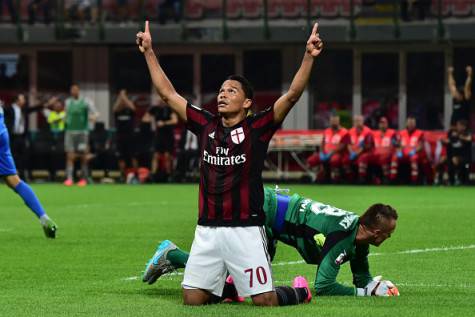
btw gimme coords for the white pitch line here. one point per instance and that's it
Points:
(427, 250)
(411, 251)
(405, 284)
(435, 285)
(288, 263)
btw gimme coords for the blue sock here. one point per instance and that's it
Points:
(30, 199)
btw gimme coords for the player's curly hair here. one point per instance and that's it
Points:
(375, 213)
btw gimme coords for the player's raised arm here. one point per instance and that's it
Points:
(467, 89)
(452, 84)
(283, 105)
(160, 81)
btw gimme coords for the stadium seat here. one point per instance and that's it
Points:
(325, 8)
(274, 8)
(329, 8)
(194, 10)
(252, 9)
(213, 8)
(462, 8)
(214, 4)
(294, 9)
(233, 10)
(445, 8)
(345, 9)
(151, 8)
(109, 8)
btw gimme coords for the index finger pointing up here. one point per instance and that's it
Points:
(315, 28)
(147, 29)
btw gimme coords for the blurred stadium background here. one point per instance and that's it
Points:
(381, 57)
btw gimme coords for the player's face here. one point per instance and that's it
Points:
(383, 124)
(380, 235)
(334, 122)
(74, 91)
(21, 100)
(411, 124)
(358, 122)
(460, 127)
(57, 106)
(231, 98)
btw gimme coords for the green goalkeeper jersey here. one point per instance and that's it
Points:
(77, 114)
(322, 234)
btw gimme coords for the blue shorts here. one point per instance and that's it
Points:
(7, 165)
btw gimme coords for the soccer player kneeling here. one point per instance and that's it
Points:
(233, 146)
(324, 235)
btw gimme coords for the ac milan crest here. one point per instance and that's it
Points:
(237, 135)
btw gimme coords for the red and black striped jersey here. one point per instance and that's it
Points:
(232, 159)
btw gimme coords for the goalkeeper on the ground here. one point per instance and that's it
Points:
(323, 235)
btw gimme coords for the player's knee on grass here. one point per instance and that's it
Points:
(195, 297)
(265, 299)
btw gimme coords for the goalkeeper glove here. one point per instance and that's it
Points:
(392, 289)
(353, 156)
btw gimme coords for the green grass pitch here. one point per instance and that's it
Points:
(107, 232)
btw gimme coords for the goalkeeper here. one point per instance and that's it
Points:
(323, 235)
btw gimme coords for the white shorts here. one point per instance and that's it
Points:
(241, 251)
(76, 141)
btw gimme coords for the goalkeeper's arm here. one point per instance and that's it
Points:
(325, 282)
(360, 267)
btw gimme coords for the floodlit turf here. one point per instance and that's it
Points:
(107, 232)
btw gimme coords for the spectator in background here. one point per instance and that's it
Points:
(9, 116)
(79, 111)
(165, 120)
(360, 149)
(19, 132)
(187, 155)
(81, 10)
(460, 145)
(102, 156)
(122, 10)
(11, 9)
(35, 5)
(333, 149)
(124, 115)
(55, 115)
(422, 8)
(169, 8)
(56, 118)
(439, 160)
(143, 150)
(384, 140)
(4, 80)
(461, 96)
(409, 149)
